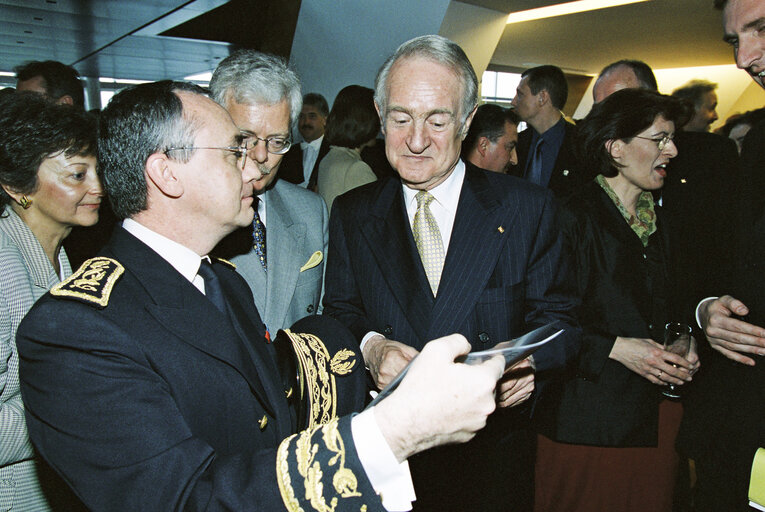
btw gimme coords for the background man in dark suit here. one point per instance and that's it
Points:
(492, 137)
(546, 147)
(724, 422)
(301, 163)
(147, 379)
(449, 248)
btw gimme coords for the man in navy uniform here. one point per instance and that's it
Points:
(148, 381)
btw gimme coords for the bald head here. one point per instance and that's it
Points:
(620, 78)
(623, 74)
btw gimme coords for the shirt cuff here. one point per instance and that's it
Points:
(366, 338)
(390, 479)
(698, 307)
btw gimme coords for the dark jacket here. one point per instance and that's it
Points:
(153, 399)
(567, 177)
(625, 292)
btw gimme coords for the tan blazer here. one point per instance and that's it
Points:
(340, 171)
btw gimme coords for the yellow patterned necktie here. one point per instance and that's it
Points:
(427, 237)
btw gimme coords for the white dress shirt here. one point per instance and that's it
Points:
(391, 480)
(444, 206)
(310, 153)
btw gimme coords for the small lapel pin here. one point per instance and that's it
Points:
(501, 229)
(565, 172)
(263, 422)
(683, 180)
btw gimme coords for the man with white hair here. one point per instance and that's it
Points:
(281, 255)
(446, 247)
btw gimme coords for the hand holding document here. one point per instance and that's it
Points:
(512, 351)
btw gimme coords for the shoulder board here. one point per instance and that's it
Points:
(92, 283)
(227, 263)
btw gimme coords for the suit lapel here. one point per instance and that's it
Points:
(184, 311)
(481, 227)
(249, 327)
(284, 237)
(390, 239)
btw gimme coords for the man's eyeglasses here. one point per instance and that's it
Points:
(661, 142)
(239, 151)
(274, 145)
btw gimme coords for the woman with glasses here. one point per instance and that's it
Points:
(352, 125)
(48, 184)
(609, 443)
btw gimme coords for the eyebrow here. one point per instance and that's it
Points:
(247, 133)
(732, 38)
(427, 114)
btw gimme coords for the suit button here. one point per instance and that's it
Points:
(483, 337)
(309, 309)
(388, 330)
(263, 422)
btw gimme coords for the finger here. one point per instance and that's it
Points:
(495, 365)
(727, 327)
(448, 348)
(734, 305)
(730, 354)
(653, 379)
(672, 375)
(673, 359)
(519, 395)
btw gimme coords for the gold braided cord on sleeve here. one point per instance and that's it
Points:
(311, 447)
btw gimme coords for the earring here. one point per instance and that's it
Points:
(25, 202)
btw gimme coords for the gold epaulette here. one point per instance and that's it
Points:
(92, 283)
(227, 263)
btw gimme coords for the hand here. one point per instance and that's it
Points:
(386, 358)
(439, 401)
(649, 360)
(693, 357)
(516, 385)
(730, 336)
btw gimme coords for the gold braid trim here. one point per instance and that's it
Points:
(344, 481)
(92, 283)
(322, 391)
(283, 477)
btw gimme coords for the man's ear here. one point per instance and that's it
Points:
(543, 97)
(65, 100)
(163, 174)
(382, 121)
(483, 145)
(466, 124)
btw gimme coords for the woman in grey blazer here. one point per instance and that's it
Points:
(48, 184)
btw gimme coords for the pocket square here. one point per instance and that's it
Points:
(314, 260)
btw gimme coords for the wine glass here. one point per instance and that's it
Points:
(677, 340)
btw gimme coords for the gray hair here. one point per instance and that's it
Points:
(251, 77)
(442, 51)
(138, 122)
(694, 91)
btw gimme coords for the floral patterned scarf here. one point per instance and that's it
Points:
(644, 224)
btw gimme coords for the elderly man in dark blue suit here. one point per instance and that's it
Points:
(148, 381)
(450, 248)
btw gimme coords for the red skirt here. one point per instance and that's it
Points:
(578, 478)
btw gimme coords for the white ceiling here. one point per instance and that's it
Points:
(119, 38)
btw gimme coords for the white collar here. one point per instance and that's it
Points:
(446, 193)
(183, 259)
